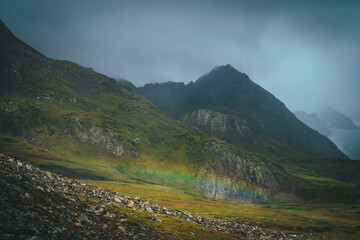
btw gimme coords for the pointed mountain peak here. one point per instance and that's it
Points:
(224, 73)
(222, 68)
(3, 29)
(2, 24)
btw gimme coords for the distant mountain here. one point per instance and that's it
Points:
(338, 127)
(335, 119)
(313, 121)
(164, 94)
(229, 92)
(82, 124)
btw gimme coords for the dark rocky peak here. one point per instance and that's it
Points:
(164, 94)
(9, 44)
(226, 67)
(4, 31)
(224, 86)
(164, 85)
(3, 28)
(223, 73)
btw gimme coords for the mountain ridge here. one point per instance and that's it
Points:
(227, 91)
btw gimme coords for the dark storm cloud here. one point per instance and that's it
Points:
(305, 52)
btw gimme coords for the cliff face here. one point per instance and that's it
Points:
(224, 126)
(245, 179)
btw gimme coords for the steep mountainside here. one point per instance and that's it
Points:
(83, 124)
(226, 91)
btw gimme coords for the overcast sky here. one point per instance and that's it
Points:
(306, 53)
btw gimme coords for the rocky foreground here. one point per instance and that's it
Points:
(37, 204)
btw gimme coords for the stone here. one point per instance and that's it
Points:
(78, 224)
(149, 209)
(156, 218)
(130, 204)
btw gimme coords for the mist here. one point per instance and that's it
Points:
(304, 52)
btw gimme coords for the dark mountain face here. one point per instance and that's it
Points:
(164, 94)
(227, 91)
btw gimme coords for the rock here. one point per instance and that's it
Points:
(130, 204)
(156, 218)
(149, 209)
(122, 228)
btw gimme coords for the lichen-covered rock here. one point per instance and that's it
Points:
(216, 124)
(239, 179)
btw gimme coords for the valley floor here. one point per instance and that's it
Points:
(41, 205)
(318, 220)
(333, 213)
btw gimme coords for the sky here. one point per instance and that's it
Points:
(306, 53)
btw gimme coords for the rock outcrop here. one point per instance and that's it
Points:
(224, 126)
(245, 180)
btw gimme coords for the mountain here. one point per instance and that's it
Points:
(164, 94)
(335, 119)
(313, 121)
(72, 120)
(126, 83)
(339, 128)
(230, 94)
